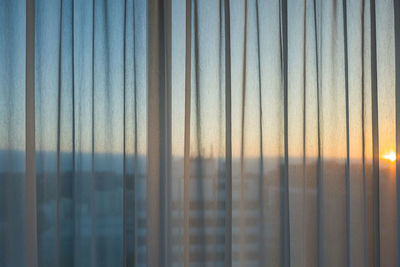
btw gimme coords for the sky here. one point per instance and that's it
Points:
(109, 78)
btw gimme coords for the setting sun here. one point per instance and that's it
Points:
(390, 156)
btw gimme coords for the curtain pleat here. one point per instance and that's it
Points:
(284, 196)
(397, 88)
(242, 216)
(375, 140)
(346, 81)
(228, 137)
(261, 261)
(365, 238)
(31, 236)
(304, 208)
(319, 163)
(186, 176)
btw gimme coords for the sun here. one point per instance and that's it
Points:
(390, 156)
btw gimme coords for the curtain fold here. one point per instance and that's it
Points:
(12, 134)
(199, 133)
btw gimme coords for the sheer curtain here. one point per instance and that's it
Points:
(199, 133)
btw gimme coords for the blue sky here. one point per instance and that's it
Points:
(108, 69)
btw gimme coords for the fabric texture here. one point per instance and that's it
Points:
(199, 133)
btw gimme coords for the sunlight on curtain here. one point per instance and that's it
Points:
(202, 133)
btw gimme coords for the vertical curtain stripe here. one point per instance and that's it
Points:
(124, 175)
(166, 148)
(304, 242)
(284, 201)
(159, 130)
(30, 160)
(220, 178)
(93, 188)
(364, 182)
(228, 140)
(165, 135)
(375, 139)
(261, 250)
(74, 238)
(242, 217)
(319, 161)
(397, 62)
(188, 70)
(58, 182)
(135, 156)
(200, 174)
(155, 59)
(346, 80)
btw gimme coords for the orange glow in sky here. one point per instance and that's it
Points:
(390, 156)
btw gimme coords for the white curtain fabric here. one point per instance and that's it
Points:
(199, 133)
